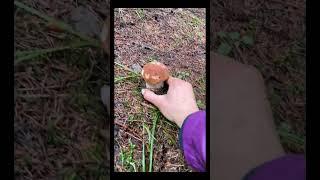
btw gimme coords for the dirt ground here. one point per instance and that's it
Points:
(175, 37)
(274, 43)
(60, 126)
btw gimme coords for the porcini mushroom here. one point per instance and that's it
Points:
(155, 73)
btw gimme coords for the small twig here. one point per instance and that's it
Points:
(35, 121)
(30, 174)
(240, 54)
(122, 91)
(175, 165)
(126, 68)
(122, 125)
(139, 121)
(132, 134)
(34, 96)
(286, 3)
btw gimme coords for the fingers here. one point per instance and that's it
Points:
(171, 80)
(150, 96)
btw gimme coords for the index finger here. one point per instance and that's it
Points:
(171, 80)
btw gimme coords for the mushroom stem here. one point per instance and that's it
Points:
(154, 86)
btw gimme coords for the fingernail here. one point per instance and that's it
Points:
(142, 91)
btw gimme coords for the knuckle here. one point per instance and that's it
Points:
(188, 84)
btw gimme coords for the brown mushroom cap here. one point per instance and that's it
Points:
(155, 72)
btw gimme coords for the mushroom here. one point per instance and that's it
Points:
(155, 73)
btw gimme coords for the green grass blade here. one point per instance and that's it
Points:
(122, 157)
(32, 11)
(148, 131)
(119, 79)
(134, 167)
(143, 154)
(155, 119)
(143, 158)
(21, 56)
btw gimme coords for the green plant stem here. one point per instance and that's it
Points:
(117, 79)
(21, 56)
(152, 140)
(143, 153)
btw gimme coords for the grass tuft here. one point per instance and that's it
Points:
(22, 56)
(140, 13)
(126, 158)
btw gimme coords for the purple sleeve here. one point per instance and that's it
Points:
(288, 167)
(193, 140)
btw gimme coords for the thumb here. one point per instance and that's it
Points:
(150, 96)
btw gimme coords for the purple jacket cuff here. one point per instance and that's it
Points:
(193, 140)
(288, 167)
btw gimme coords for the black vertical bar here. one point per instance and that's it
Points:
(112, 89)
(208, 89)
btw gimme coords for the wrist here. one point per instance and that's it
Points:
(181, 119)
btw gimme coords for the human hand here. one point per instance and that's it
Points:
(177, 104)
